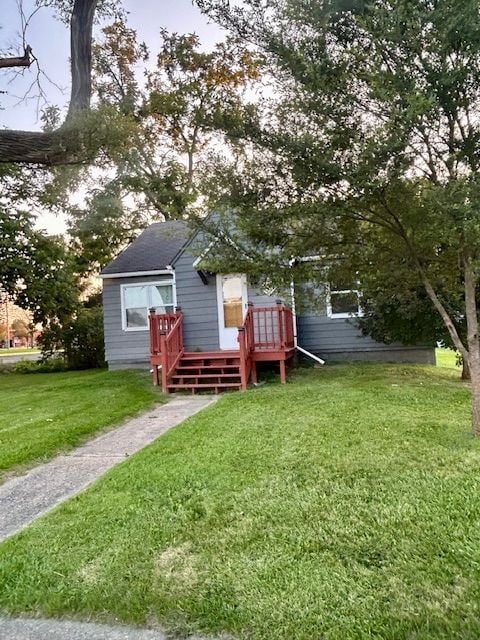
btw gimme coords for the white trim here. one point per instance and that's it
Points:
(333, 315)
(221, 238)
(134, 274)
(220, 312)
(143, 284)
(307, 259)
(205, 252)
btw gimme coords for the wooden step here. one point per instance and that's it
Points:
(214, 385)
(205, 375)
(191, 367)
(210, 355)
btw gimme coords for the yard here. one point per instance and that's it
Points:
(43, 414)
(343, 505)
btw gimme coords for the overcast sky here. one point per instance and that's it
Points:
(49, 40)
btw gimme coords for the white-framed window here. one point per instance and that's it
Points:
(343, 302)
(139, 298)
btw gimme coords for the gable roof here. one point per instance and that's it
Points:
(153, 251)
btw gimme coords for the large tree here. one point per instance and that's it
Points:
(65, 144)
(376, 127)
(151, 167)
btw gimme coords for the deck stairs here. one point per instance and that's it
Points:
(266, 335)
(215, 371)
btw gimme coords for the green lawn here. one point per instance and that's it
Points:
(44, 413)
(447, 358)
(345, 505)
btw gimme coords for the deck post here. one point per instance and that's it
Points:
(243, 358)
(179, 311)
(153, 332)
(251, 325)
(254, 372)
(281, 332)
(164, 355)
(283, 372)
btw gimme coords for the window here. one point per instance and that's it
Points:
(343, 302)
(137, 299)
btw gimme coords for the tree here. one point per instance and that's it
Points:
(167, 129)
(65, 144)
(37, 271)
(20, 328)
(377, 129)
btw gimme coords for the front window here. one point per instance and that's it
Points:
(139, 298)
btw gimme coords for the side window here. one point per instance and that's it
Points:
(343, 302)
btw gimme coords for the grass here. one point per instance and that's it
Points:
(447, 358)
(43, 414)
(343, 505)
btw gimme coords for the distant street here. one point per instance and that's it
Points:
(17, 357)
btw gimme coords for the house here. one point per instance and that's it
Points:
(161, 271)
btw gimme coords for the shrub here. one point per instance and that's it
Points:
(50, 365)
(81, 339)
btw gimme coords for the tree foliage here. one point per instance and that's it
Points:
(164, 130)
(373, 143)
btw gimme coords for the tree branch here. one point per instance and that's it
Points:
(60, 147)
(19, 61)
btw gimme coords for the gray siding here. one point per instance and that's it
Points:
(199, 306)
(123, 348)
(331, 338)
(340, 339)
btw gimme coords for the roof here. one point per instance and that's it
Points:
(153, 250)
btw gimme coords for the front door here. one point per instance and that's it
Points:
(232, 307)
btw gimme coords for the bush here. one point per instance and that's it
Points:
(55, 363)
(81, 339)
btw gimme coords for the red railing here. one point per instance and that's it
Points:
(158, 323)
(166, 341)
(265, 329)
(272, 328)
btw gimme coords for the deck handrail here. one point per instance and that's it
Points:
(264, 329)
(166, 341)
(159, 322)
(271, 327)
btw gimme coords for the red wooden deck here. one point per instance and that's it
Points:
(266, 335)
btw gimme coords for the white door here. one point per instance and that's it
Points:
(232, 306)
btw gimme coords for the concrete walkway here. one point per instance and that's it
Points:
(24, 629)
(27, 497)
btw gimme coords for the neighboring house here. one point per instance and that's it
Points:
(161, 269)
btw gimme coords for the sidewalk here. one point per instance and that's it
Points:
(28, 497)
(24, 629)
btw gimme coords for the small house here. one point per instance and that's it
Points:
(204, 330)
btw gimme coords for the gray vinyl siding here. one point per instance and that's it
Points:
(339, 339)
(199, 305)
(320, 333)
(331, 338)
(124, 348)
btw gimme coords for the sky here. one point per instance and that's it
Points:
(49, 40)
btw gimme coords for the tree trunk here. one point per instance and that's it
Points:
(64, 145)
(465, 371)
(473, 340)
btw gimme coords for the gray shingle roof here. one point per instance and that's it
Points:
(153, 250)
